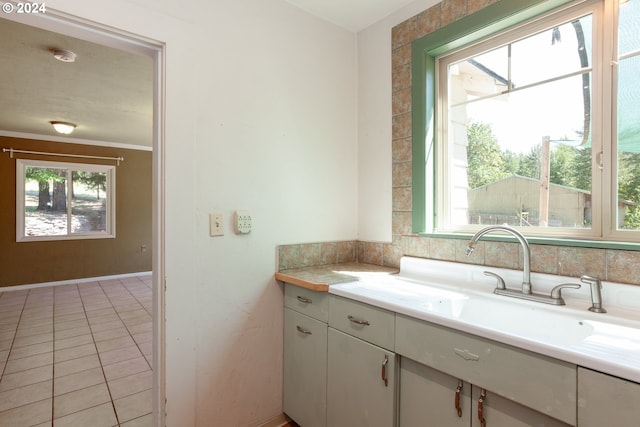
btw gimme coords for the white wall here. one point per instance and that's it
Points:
(374, 124)
(261, 113)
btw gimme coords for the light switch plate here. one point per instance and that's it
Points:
(215, 224)
(242, 222)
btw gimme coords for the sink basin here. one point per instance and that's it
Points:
(458, 296)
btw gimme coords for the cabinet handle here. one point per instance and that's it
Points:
(457, 402)
(383, 374)
(358, 321)
(483, 396)
(303, 330)
(304, 300)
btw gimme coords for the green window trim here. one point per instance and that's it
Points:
(494, 18)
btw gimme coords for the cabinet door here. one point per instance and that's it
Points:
(500, 412)
(428, 397)
(357, 395)
(305, 369)
(609, 401)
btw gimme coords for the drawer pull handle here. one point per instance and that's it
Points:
(466, 354)
(483, 396)
(358, 321)
(303, 330)
(383, 374)
(304, 300)
(457, 402)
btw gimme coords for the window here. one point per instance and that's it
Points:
(536, 128)
(57, 201)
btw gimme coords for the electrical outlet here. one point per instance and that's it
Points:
(215, 224)
(242, 222)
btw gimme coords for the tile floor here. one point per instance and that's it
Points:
(77, 355)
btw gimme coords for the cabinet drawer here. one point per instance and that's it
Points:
(544, 384)
(366, 322)
(313, 304)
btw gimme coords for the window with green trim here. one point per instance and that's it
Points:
(532, 120)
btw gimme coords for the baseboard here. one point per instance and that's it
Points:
(278, 421)
(71, 281)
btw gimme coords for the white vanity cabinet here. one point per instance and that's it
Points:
(362, 367)
(520, 388)
(604, 400)
(305, 356)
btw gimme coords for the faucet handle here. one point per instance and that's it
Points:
(556, 292)
(500, 281)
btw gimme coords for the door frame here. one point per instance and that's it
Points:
(73, 26)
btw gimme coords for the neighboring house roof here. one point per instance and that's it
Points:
(551, 184)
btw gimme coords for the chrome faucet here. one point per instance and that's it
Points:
(526, 272)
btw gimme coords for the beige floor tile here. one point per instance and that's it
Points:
(71, 316)
(110, 334)
(131, 384)
(77, 381)
(31, 350)
(61, 326)
(74, 352)
(28, 415)
(22, 378)
(7, 335)
(76, 365)
(107, 325)
(100, 312)
(103, 319)
(98, 416)
(127, 367)
(73, 332)
(36, 321)
(80, 400)
(143, 337)
(33, 339)
(24, 395)
(146, 348)
(25, 363)
(120, 355)
(61, 344)
(145, 421)
(115, 343)
(133, 406)
(142, 327)
(27, 332)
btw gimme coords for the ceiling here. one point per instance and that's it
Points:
(107, 92)
(354, 15)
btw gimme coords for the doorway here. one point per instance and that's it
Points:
(95, 33)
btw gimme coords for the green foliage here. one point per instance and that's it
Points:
(92, 180)
(484, 159)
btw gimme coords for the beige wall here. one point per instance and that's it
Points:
(39, 262)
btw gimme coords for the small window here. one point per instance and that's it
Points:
(62, 201)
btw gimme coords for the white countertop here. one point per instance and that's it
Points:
(461, 297)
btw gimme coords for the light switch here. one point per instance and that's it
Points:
(215, 224)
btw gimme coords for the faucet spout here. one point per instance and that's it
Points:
(526, 272)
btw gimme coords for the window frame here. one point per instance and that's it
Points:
(493, 20)
(109, 170)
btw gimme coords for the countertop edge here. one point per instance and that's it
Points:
(314, 286)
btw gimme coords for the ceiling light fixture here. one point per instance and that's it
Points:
(64, 55)
(64, 128)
